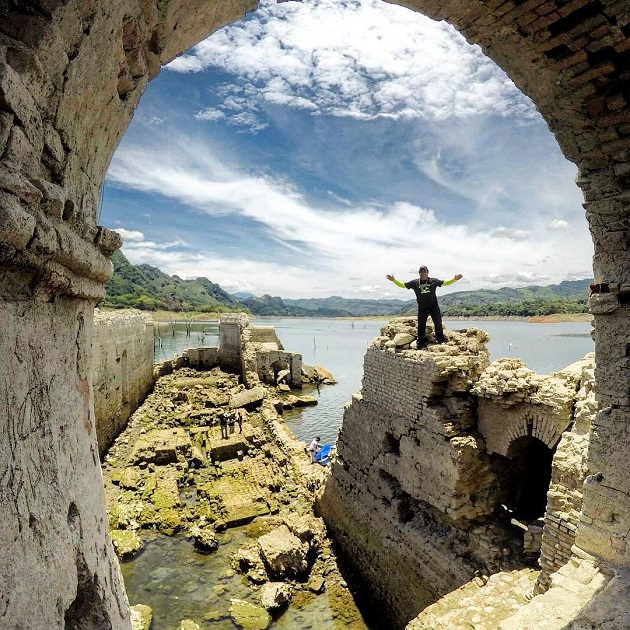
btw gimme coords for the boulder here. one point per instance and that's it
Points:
(309, 374)
(247, 558)
(141, 617)
(248, 616)
(403, 339)
(305, 401)
(248, 398)
(304, 527)
(324, 376)
(275, 595)
(263, 525)
(126, 542)
(205, 539)
(283, 553)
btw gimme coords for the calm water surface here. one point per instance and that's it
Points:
(339, 345)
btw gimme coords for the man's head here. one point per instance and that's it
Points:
(424, 272)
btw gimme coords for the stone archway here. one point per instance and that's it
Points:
(71, 73)
(529, 479)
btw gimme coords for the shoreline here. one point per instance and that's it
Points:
(556, 318)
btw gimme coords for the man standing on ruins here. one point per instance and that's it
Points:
(424, 288)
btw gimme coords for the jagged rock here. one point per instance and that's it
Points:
(126, 542)
(306, 401)
(248, 616)
(282, 375)
(205, 540)
(247, 558)
(263, 525)
(275, 595)
(141, 617)
(316, 584)
(162, 447)
(403, 339)
(304, 527)
(130, 478)
(324, 376)
(309, 374)
(248, 398)
(283, 553)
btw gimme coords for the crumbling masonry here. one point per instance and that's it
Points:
(71, 73)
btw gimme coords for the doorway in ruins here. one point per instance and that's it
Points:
(529, 478)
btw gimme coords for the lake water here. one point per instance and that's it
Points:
(339, 345)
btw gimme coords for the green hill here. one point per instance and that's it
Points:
(147, 288)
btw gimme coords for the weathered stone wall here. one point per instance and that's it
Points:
(231, 342)
(423, 465)
(58, 567)
(569, 472)
(71, 74)
(122, 355)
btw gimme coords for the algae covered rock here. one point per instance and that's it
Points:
(188, 624)
(141, 617)
(205, 539)
(126, 542)
(275, 595)
(248, 616)
(283, 553)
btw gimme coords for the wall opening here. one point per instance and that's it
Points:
(391, 445)
(529, 478)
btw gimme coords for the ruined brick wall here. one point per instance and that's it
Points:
(71, 74)
(231, 342)
(414, 471)
(122, 360)
(569, 472)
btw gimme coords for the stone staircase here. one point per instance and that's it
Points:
(581, 597)
(573, 587)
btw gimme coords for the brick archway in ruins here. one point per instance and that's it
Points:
(71, 72)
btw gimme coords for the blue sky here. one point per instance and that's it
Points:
(315, 146)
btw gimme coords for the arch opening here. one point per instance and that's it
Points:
(529, 478)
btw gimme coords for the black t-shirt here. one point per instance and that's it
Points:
(425, 291)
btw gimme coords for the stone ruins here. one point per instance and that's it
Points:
(71, 74)
(474, 467)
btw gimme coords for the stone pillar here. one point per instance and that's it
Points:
(231, 342)
(57, 564)
(295, 366)
(605, 518)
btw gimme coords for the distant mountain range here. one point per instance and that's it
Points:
(148, 288)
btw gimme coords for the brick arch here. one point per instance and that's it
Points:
(71, 73)
(501, 429)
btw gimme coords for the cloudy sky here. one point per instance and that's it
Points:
(315, 146)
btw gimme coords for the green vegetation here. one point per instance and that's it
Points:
(568, 297)
(150, 289)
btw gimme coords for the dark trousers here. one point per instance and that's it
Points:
(436, 316)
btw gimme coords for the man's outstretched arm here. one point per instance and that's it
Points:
(452, 280)
(398, 283)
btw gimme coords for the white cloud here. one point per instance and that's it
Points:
(211, 113)
(558, 224)
(518, 278)
(510, 234)
(130, 235)
(330, 245)
(359, 58)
